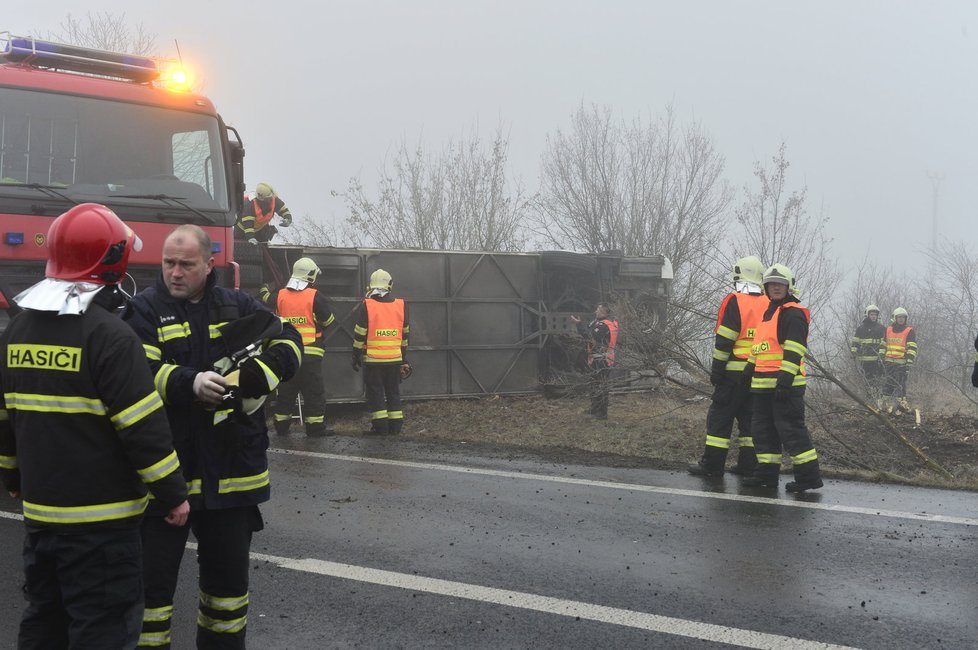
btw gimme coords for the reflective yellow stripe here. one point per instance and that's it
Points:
(328, 321)
(214, 329)
(314, 351)
(721, 443)
(720, 355)
(395, 415)
(316, 419)
(796, 347)
(221, 626)
(727, 333)
(156, 471)
(136, 412)
(243, 483)
(378, 415)
(805, 457)
(769, 459)
(153, 353)
(223, 604)
(54, 403)
(358, 345)
(295, 348)
(162, 377)
(195, 486)
(745, 442)
(85, 514)
(763, 382)
(157, 614)
(737, 366)
(787, 366)
(170, 332)
(270, 378)
(8, 462)
(283, 417)
(153, 639)
(362, 331)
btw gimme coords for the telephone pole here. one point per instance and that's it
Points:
(935, 186)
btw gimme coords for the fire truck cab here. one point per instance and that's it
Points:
(79, 125)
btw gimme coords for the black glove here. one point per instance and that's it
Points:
(357, 362)
(252, 379)
(782, 390)
(718, 373)
(781, 393)
(974, 376)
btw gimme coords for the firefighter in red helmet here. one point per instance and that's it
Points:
(77, 402)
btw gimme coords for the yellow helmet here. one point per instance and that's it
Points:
(305, 269)
(780, 274)
(264, 191)
(900, 311)
(870, 308)
(380, 279)
(748, 269)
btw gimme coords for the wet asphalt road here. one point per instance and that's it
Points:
(384, 543)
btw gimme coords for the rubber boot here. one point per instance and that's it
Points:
(378, 427)
(318, 430)
(766, 475)
(394, 426)
(282, 427)
(808, 476)
(746, 462)
(711, 464)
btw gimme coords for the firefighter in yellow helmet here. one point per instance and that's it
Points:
(899, 352)
(739, 314)
(776, 368)
(255, 224)
(301, 304)
(380, 341)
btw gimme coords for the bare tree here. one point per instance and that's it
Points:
(460, 198)
(105, 31)
(776, 225)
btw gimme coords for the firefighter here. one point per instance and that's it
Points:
(776, 369)
(974, 373)
(83, 434)
(865, 346)
(380, 340)
(255, 223)
(739, 314)
(182, 322)
(308, 310)
(602, 339)
(899, 352)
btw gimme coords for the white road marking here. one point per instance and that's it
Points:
(549, 605)
(11, 515)
(634, 487)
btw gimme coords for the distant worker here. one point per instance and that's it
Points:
(740, 312)
(865, 346)
(380, 340)
(83, 434)
(602, 340)
(189, 326)
(255, 222)
(974, 373)
(899, 352)
(778, 377)
(308, 310)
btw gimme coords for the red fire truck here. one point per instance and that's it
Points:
(80, 125)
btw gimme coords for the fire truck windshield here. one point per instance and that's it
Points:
(111, 152)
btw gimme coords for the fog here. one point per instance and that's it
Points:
(871, 97)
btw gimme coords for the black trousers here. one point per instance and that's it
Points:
(309, 382)
(223, 545)
(598, 387)
(895, 380)
(84, 589)
(872, 372)
(779, 424)
(383, 387)
(731, 402)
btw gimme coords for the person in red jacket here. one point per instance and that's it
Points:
(739, 314)
(83, 434)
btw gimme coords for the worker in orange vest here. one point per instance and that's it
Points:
(776, 368)
(738, 317)
(380, 340)
(256, 218)
(898, 351)
(301, 304)
(602, 341)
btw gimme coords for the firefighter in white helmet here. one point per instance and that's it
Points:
(899, 352)
(864, 348)
(380, 341)
(301, 304)
(776, 368)
(739, 314)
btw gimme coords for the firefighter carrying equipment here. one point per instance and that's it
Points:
(748, 269)
(245, 339)
(781, 274)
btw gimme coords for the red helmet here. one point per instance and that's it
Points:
(89, 243)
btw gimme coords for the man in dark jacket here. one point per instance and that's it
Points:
(865, 346)
(601, 335)
(83, 434)
(189, 326)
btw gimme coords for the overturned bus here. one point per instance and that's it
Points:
(481, 323)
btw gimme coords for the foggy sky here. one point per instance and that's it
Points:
(869, 96)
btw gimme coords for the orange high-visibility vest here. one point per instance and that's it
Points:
(609, 353)
(896, 344)
(385, 330)
(752, 310)
(296, 307)
(262, 219)
(768, 354)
